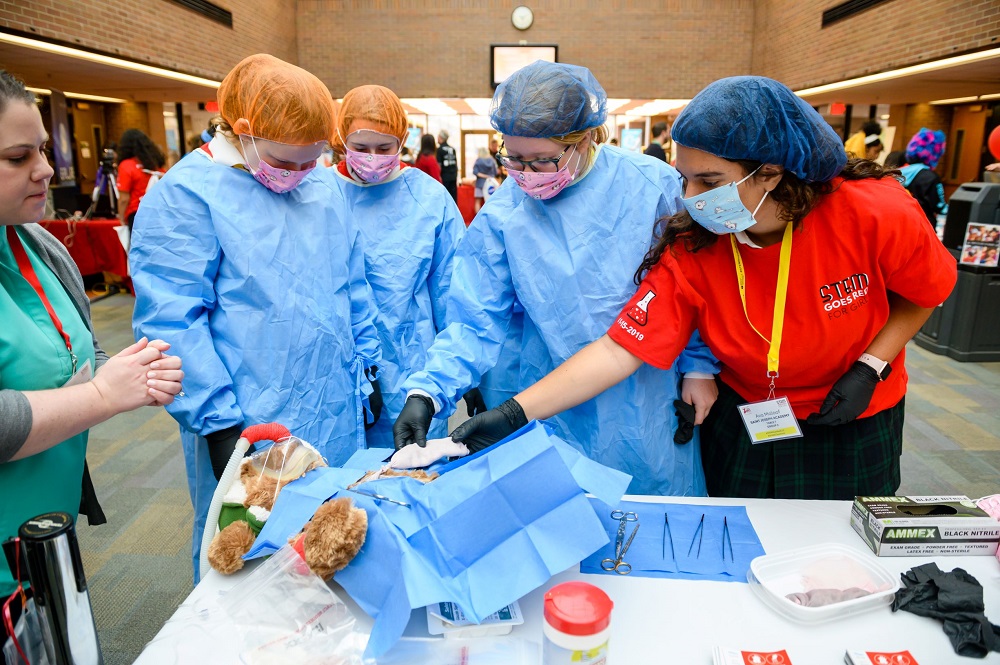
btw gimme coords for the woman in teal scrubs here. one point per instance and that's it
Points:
(55, 381)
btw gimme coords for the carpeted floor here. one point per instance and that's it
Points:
(139, 565)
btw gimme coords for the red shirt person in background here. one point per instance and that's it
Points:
(427, 159)
(138, 159)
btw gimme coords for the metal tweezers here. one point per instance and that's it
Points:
(699, 530)
(379, 497)
(668, 534)
(727, 536)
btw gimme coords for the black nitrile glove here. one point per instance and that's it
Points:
(685, 421)
(413, 422)
(849, 397)
(487, 428)
(221, 445)
(954, 598)
(474, 404)
(374, 400)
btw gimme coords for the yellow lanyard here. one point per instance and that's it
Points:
(778, 323)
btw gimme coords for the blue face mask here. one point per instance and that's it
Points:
(720, 210)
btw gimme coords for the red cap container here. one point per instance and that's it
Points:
(577, 608)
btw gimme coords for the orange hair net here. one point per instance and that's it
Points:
(373, 103)
(281, 102)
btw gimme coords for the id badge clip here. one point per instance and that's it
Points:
(82, 375)
(770, 420)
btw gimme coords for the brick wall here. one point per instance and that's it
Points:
(790, 44)
(931, 117)
(925, 115)
(636, 48)
(146, 117)
(161, 32)
(421, 48)
(127, 116)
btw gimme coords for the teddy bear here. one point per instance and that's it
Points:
(332, 537)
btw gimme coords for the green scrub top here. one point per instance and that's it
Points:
(33, 356)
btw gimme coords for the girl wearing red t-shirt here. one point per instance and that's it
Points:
(825, 269)
(427, 159)
(138, 158)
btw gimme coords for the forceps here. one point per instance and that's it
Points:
(379, 497)
(621, 545)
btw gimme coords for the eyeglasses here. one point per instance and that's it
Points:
(537, 165)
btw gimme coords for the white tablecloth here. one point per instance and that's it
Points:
(676, 621)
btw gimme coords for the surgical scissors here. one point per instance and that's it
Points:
(621, 545)
(623, 516)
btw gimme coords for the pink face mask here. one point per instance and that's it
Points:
(279, 181)
(544, 186)
(371, 168)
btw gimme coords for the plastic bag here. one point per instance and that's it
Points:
(991, 505)
(480, 651)
(490, 186)
(193, 635)
(285, 460)
(284, 613)
(28, 632)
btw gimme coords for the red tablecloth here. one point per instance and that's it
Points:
(467, 202)
(93, 244)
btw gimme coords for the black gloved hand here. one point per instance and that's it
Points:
(487, 428)
(848, 398)
(685, 421)
(413, 422)
(221, 445)
(474, 404)
(375, 399)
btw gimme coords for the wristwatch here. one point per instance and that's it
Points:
(881, 367)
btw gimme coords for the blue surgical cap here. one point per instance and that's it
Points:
(546, 99)
(759, 119)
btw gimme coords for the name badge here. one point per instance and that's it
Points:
(770, 420)
(83, 375)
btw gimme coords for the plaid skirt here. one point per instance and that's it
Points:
(859, 458)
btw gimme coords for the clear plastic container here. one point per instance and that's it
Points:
(830, 566)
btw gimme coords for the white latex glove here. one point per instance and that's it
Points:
(417, 457)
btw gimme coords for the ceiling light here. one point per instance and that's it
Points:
(944, 63)
(657, 107)
(430, 105)
(956, 100)
(965, 100)
(106, 60)
(615, 104)
(79, 95)
(884, 116)
(481, 105)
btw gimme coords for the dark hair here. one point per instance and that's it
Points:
(871, 127)
(659, 128)
(136, 144)
(427, 145)
(12, 88)
(895, 159)
(795, 198)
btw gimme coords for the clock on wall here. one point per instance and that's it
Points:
(522, 17)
